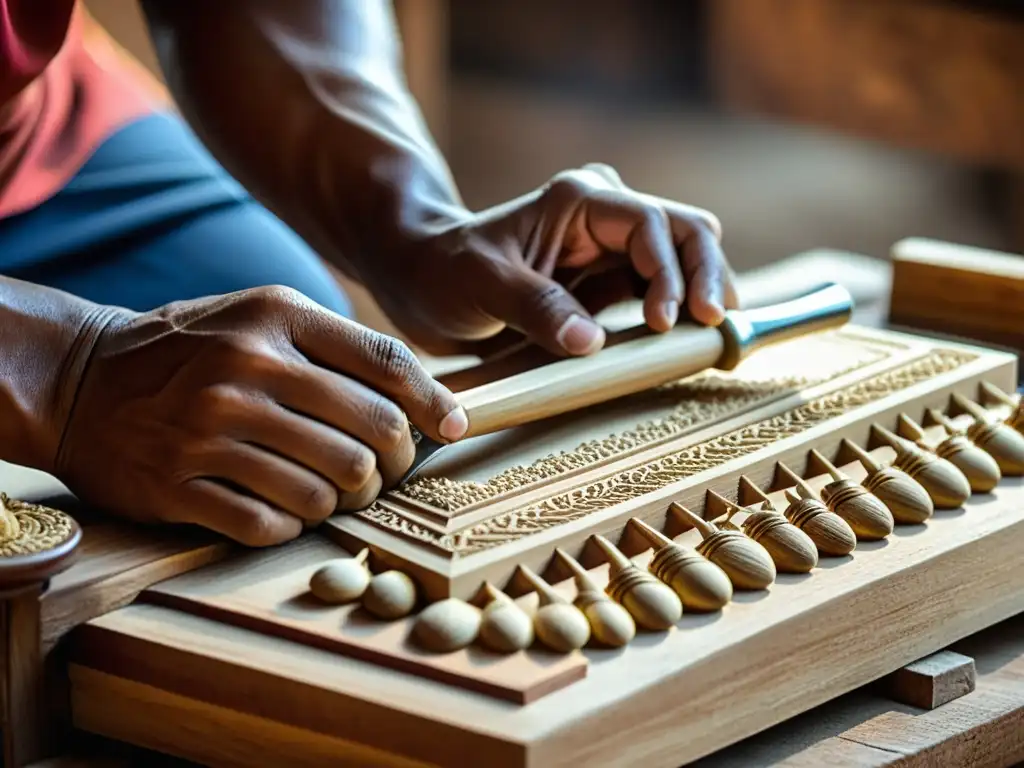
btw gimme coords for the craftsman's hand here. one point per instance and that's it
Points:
(250, 414)
(519, 266)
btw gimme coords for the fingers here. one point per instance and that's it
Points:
(628, 224)
(674, 246)
(537, 306)
(334, 425)
(278, 482)
(244, 519)
(384, 364)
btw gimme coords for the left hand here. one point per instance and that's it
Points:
(511, 268)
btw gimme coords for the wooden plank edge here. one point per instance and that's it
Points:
(520, 696)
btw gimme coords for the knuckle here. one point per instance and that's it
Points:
(360, 464)
(275, 297)
(320, 501)
(388, 423)
(567, 186)
(260, 531)
(545, 300)
(393, 356)
(213, 405)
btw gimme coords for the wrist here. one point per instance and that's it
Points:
(45, 344)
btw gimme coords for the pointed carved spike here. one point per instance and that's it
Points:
(972, 408)
(495, 595)
(654, 537)
(940, 418)
(362, 555)
(910, 429)
(702, 525)
(767, 505)
(801, 485)
(579, 573)
(749, 493)
(715, 504)
(866, 459)
(834, 473)
(544, 590)
(617, 560)
(791, 496)
(996, 395)
(889, 438)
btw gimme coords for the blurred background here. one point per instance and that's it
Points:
(803, 124)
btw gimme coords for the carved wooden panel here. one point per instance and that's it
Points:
(495, 502)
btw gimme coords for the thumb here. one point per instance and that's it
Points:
(540, 308)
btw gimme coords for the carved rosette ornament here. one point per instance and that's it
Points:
(35, 542)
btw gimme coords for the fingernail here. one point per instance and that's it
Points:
(671, 311)
(454, 425)
(579, 336)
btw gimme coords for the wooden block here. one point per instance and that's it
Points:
(957, 290)
(666, 694)
(934, 680)
(269, 593)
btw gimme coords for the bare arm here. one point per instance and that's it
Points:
(304, 101)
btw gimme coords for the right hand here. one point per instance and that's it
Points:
(253, 414)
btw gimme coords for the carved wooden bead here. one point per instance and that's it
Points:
(869, 518)
(980, 469)
(791, 549)
(906, 498)
(1003, 444)
(832, 535)
(505, 627)
(447, 625)
(560, 626)
(610, 623)
(651, 603)
(341, 581)
(747, 564)
(946, 485)
(390, 595)
(701, 585)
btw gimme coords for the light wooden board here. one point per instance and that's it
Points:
(664, 700)
(982, 729)
(269, 592)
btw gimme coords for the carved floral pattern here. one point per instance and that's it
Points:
(653, 476)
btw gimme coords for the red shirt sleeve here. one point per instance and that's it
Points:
(59, 98)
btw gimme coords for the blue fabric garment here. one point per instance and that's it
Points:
(151, 218)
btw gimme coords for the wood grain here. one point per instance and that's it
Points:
(115, 562)
(935, 76)
(935, 680)
(740, 670)
(22, 680)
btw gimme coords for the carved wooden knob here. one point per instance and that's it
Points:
(36, 542)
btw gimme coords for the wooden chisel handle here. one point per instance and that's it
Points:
(648, 361)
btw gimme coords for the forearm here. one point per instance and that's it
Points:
(305, 103)
(45, 337)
